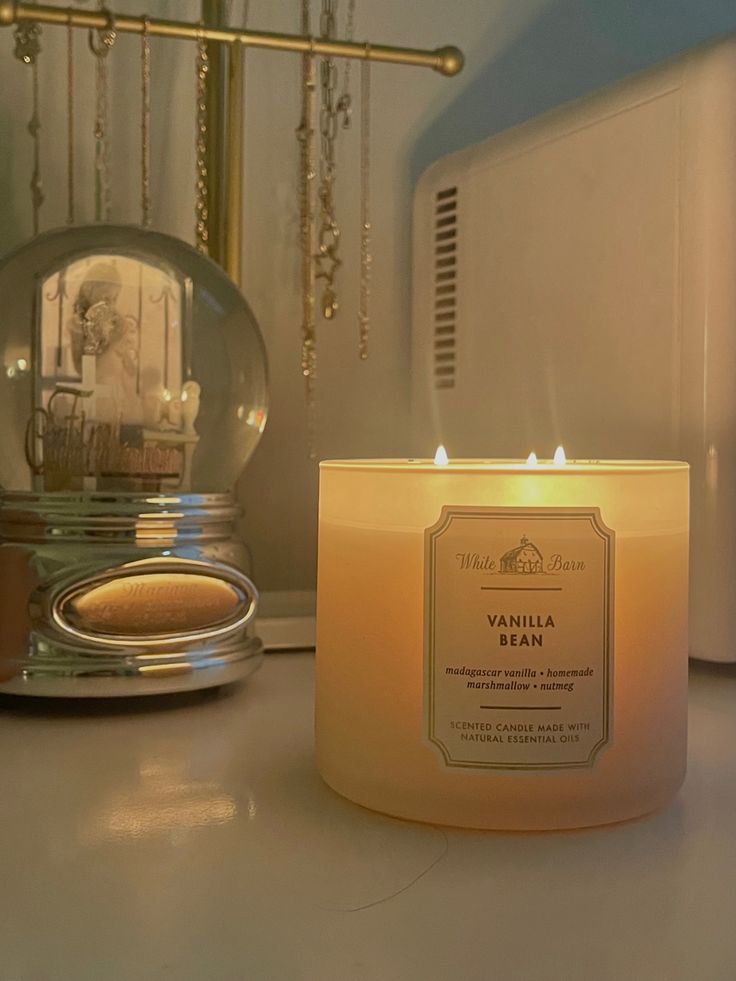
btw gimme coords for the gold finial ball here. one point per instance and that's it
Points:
(7, 11)
(451, 60)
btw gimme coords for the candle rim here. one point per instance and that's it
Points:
(510, 466)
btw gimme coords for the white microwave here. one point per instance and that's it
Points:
(574, 281)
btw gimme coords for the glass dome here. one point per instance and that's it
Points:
(130, 362)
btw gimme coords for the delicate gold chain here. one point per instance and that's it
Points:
(145, 126)
(34, 128)
(28, 49)
(345, 102)
(101, 42)
(366, 258)
(305, 134)
(70, 215)
(305, 183)
(201, 228)
(327, 260)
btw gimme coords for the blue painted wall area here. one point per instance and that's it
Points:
(571, 49)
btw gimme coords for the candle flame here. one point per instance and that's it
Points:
(531, 460)
(559, 458)
(440, 457)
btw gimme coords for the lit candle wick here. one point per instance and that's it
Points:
(531, 460)
(440, 457)
(559, 458)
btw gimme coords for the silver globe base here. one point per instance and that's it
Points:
(105, 595)
(78, 677)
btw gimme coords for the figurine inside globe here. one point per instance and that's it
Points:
(131, 363)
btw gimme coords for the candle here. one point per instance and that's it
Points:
(503, 644)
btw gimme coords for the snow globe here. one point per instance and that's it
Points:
(133, 390)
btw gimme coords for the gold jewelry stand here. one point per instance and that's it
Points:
(225, 90)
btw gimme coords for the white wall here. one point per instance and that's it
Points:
(363, 407)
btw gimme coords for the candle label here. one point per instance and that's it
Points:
(518, 637)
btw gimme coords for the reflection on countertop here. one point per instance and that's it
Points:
(190, 837)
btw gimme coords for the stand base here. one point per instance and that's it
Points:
(86, 677)
(123, 676)
(105, 595)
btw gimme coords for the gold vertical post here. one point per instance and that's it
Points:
(225, 145)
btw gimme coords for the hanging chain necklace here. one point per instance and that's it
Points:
(145, 126)
(366, 259)
(100, 43)
(28, 49)
(305, 182)
(322, 262)
(327, 259)
(201, 227)
(345, 102)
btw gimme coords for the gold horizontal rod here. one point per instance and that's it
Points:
(447, 60)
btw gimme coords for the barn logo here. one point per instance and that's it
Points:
(524, 560)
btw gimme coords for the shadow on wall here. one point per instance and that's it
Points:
(573, 48)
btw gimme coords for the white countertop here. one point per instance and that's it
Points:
(191, 838)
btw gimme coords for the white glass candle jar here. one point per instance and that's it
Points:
(503, 646)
